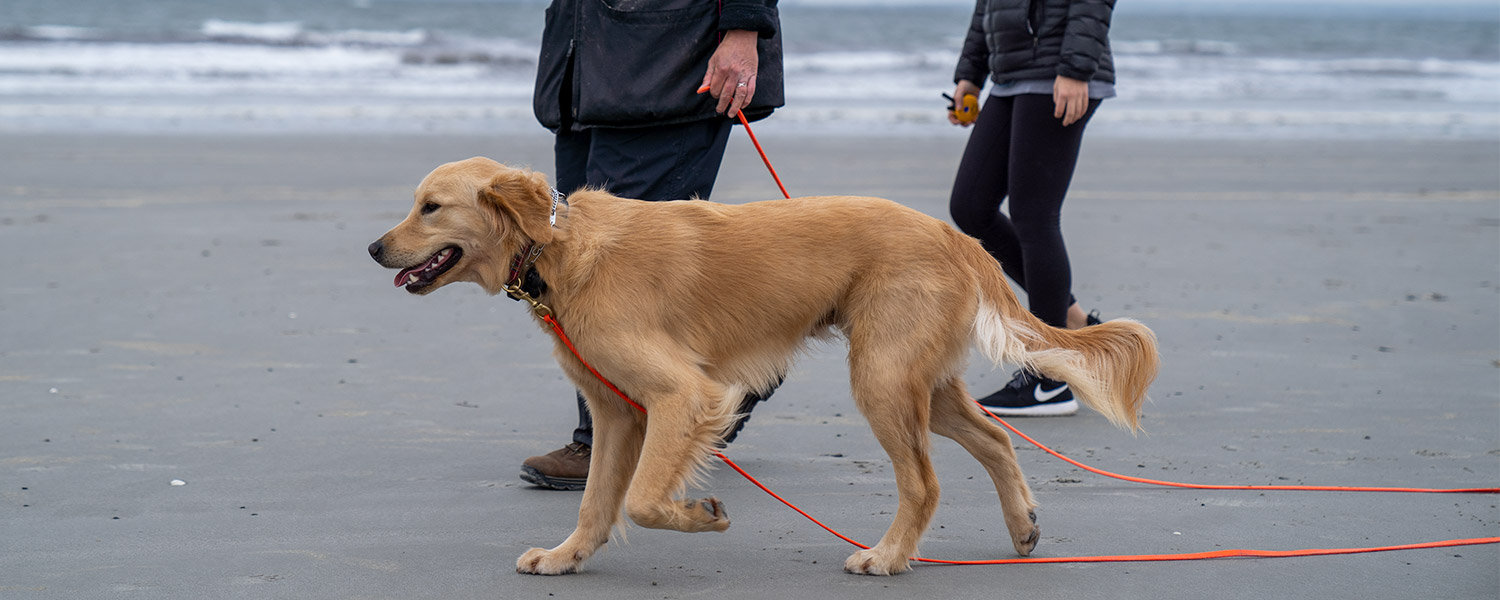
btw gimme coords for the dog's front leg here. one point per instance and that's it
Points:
(617, 447)
(678, 440)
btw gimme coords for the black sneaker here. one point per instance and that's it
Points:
(1093, 318)
(1029, 395)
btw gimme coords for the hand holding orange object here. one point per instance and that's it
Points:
(966, 110)
(969, 111)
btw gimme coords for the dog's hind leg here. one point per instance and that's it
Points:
(682, 426)
(617, 445)
(896, 405)
(955, 416)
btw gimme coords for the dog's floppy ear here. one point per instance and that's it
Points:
(525, 198)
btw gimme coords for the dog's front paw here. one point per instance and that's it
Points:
(709, 514)
(875, 562)
(540, 561)
(691, 516)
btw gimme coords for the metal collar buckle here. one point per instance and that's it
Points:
(527, 259)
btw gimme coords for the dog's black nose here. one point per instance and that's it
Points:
(375, 249)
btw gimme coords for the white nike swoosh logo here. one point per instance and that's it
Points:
(1048, 395)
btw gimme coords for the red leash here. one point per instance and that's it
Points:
(1238, 553)
(763, 158)
(1132, 557)
(762, 152)
(1276, 488)
(557, 327)
(1305, 488)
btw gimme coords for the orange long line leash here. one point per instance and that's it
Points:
(1236, 553)
(762, 152)
(756, 142)
(1276, 488)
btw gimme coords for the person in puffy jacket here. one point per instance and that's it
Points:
(1049, 66)
(617, 83)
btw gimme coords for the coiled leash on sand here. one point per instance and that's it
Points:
(546, 315)
(1236, 553)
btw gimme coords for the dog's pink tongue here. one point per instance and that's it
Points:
(401, 277)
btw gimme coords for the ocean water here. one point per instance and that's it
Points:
(1189, 68)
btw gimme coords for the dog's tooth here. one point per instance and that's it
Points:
(411, 278)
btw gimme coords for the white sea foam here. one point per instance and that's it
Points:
(261, 32)
(863, 63)
(1176, 46)
(60, 32)
(187, 63)
(413, 37)
(294, 33)
(362, 74)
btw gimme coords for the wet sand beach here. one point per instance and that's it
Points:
(201, 308)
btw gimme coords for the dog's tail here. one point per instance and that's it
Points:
(1109, 366)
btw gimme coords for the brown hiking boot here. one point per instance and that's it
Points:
(565, 468)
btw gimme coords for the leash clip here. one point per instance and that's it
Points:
(526, 259)
(516, 293)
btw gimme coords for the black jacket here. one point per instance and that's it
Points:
(638, 63)
(1011, 40)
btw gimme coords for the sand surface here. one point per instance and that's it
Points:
(202, 309)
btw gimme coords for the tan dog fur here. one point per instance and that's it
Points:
(688, 305)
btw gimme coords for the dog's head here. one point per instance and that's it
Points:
(469, 219)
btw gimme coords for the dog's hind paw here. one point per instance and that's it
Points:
(1024, 533)
(540, 561)
(1027, 541)
(874, 562)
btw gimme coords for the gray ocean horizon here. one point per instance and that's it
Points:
(1207, 69)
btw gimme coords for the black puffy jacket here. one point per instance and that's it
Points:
(1012, 40)
(639, 63)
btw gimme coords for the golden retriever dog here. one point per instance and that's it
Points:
(686, 306)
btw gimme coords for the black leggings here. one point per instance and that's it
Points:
(1018, 149)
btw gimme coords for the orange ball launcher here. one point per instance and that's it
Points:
(966, 113)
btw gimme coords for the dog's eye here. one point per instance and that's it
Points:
(429, 208)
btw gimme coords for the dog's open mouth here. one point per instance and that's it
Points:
(421, 276)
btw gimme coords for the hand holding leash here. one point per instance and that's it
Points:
(731, 72)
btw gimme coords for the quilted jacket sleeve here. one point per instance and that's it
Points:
(973, 61)
(1086, 38)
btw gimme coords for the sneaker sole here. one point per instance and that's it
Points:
(567, 484)
(1054, 409)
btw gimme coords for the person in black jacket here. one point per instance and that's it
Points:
(1050, 65)
(617, 83)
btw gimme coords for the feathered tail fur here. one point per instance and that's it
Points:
(1109, 366)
